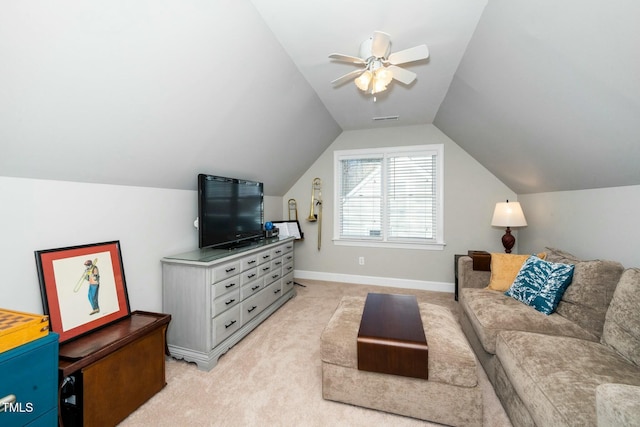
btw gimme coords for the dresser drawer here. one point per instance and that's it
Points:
(225, 286)
(248, 276)
(253, 305)
(226, 324)
(249, 262)
(274, 291)
(251, 288)
(276, 263)
(264, 256)
(288, 257)
(287, 282)
(225, 271)
(264, 269)
(225, 302)
(273, 275)
(277, 252)
(287, 268)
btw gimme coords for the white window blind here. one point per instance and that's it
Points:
(411, 197)
(389, 196)
(361, 198)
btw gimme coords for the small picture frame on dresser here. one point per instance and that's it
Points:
(83, 287)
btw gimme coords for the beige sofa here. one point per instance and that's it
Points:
(577, 366)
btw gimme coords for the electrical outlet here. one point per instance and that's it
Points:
(361, 260)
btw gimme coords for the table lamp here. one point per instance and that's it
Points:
(508, 214)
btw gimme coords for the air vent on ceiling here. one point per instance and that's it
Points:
(385, 118)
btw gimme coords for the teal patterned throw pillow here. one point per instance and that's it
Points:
(541, 283)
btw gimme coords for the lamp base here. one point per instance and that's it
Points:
(508, 240)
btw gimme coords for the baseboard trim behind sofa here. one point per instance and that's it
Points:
(376, 281)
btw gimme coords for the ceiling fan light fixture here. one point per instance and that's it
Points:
(364, 80)
(374, 79)
(378, 86)
(384, 74)
(380, 67)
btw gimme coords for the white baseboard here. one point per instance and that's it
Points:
(376, 281)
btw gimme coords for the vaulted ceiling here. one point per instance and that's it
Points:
(544, 94)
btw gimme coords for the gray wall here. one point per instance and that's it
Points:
(470, 194)
(150, 223)
(600, 223)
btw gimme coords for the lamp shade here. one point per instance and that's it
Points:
(508, 214)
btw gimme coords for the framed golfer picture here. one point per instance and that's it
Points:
(83, 287)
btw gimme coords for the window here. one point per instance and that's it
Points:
(389, 197)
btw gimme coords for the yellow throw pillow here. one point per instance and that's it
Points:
(505, 268)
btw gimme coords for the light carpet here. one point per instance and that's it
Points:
(273, 377)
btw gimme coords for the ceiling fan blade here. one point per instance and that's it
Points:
(409, 55)
(349, 76)
(381, 44)
(402, 75)
(346, 58)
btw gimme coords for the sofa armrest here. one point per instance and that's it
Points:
(470, 278)
(617, 405)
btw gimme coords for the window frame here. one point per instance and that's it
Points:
(383, 153)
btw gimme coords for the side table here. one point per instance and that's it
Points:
(107, 374)
(481, 262)
(455, 269)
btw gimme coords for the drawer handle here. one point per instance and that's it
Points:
(265, 256)
(278, 251)
(229, 324)
(266, 268)
(5, 401)
(276, 291)
(253, 261)
(255, 287)
(229, 270)
(251, 276)
(252, 308)
(275, 276)
(230, 285)
(229, 302)
(278, 262)
(289, 282)
(289, 268)
(289, 247)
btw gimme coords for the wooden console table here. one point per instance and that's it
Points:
(109, 373)
(391, 337)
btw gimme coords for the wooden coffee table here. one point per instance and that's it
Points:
(391, 337)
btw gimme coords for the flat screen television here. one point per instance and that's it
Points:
(230, 211)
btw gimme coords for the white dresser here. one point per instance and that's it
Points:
(217, 296)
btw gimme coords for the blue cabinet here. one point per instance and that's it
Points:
(29, 384)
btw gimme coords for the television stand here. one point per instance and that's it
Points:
(217, 299)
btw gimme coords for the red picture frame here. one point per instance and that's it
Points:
(83, 287)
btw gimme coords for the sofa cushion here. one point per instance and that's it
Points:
(622, 323)
(540, 284)
(557, 255)
(505, 268)
(490, 312)
(617, 404)
(559, 375)
(587, 298)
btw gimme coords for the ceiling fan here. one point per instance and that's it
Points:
(380, 67)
